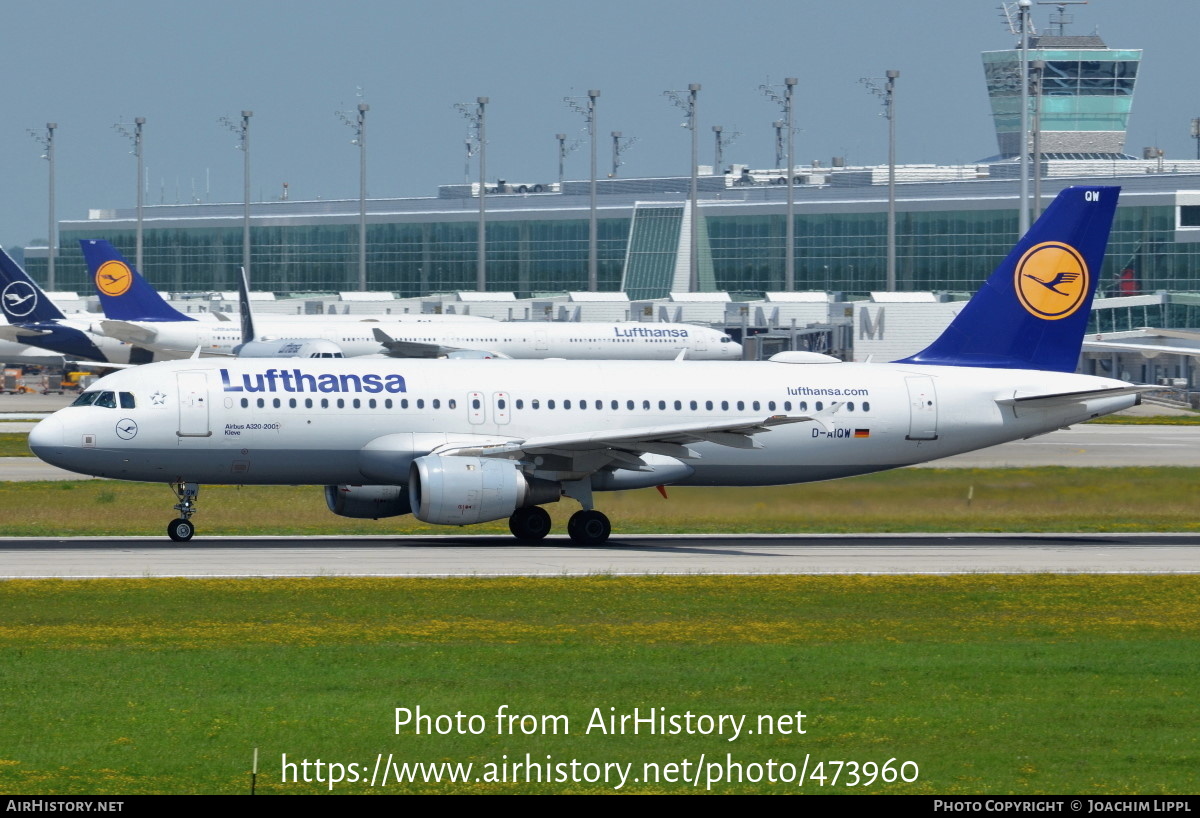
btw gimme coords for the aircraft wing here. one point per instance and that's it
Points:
(588, 452)
(1020, 398)
(420, 349)
(100, 365)
(128, 332)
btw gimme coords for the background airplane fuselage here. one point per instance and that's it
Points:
(574, 340)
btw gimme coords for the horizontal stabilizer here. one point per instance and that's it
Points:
(129, 333)
(14, 332)
(1059, 398)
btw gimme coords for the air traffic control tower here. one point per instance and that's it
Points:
(1084, 101)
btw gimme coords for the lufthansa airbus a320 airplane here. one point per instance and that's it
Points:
(456, 442)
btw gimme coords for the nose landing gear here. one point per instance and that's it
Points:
(181, 529)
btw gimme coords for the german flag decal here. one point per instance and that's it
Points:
(862, 432)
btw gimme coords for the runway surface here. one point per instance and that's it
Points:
(638, 554)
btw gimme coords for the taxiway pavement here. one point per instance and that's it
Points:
(623, 555)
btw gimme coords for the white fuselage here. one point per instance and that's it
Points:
(363, 421)
(573, 340)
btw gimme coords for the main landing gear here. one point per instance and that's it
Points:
(586, 526)
(181, 529)
(589, 527)
(532, 524)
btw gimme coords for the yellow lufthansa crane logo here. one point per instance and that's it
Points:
(113, 278)
(1051, 280)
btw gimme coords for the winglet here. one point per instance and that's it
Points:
(124, 294)
(1032, 311)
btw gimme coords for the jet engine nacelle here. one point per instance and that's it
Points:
(367, 502)
(465, 490)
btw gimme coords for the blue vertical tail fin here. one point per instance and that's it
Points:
(124, 294)
(22, 300)
(1032, 311)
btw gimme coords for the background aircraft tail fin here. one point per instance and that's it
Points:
(124, 294)
(1032, 311)
(21, 299)
(244, 305)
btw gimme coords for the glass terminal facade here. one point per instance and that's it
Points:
(949, 238)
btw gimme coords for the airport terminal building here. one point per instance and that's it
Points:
(950, 234)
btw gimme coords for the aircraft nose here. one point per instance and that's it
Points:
(47, 437)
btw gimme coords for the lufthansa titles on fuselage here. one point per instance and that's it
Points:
(294, 380)
(644, 332)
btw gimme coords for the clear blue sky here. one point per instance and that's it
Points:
(88, 65)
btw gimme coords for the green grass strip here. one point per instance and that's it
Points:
(1151, 420)
(14, 444)
(1036, 499)
(990, 684)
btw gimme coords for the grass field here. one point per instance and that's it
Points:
(1041, 499)
(990, 684)
(14, 444)
(1149, 420)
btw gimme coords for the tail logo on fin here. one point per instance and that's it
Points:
(1051, 280)
(20, 299)
(114, 278)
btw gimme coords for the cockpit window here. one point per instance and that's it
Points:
(108, 400)
(725, 339)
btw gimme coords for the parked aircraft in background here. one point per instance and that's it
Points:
(461, 442)
(34, 320)
(293, 348)
(139, 315)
